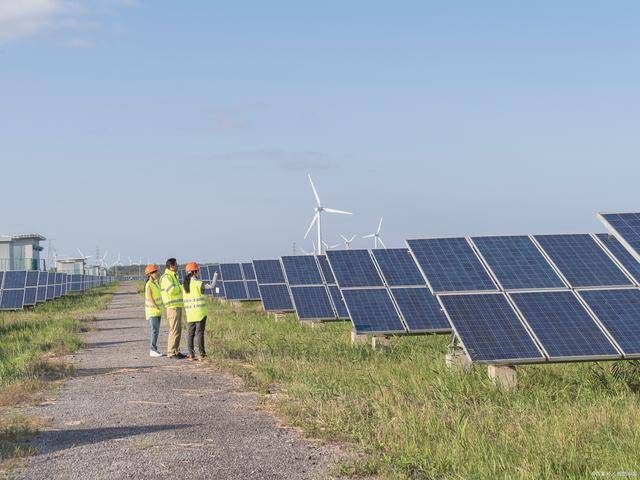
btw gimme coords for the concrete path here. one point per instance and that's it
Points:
(127, 415)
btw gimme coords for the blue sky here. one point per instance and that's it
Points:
(448, 118)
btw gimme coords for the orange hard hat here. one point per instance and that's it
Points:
(192, 267)
(149, 269)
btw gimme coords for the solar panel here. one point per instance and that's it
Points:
(354, 268)
(631, 265)
(619, 312)
(582, 261)
(398, 267)
(1, 279)
(41, 296)
(312, 303)
(326, 269)
(31, 288)
(247, 270)
(338, 303)
(268, 271)
(626, 227)
(204, 273)
(32, 279)
(275, 297)
(450, 265)
(252, 288)
(371, 310)
(58, 285)
(15, 279)
(13, 289)
(563, 326)
(51, 286)
(489, 329)
(301, 270)
(235, 290)
(218, 291)
(420, 310)
(231, 271)
(517, 263)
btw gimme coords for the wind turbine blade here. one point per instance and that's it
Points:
(325, 244)
(80, 252)
(334, 246)
(380, 225)
(315, 192)
(313, 221)
(352, 239)
(370, 236)
(333, 210)
(381, 242)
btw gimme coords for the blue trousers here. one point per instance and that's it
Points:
(155, 331)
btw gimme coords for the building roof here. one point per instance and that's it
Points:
(21, 236)
(70, 260)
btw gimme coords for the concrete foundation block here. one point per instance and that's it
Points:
(358, 339)
(457, 359)
(503, 376)
(380, 343)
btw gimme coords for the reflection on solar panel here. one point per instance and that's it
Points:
(354, 268)
(275, 297)
(230, 271)
(517, 263)
(301, 270)
(450, 265)
(268, 271)
(252, 288)
(338, 303)
(582, 261)
(626, 228)
(312, 303)
(490, 330)
(619, 312)
(235, 290)
(372, 310)
(563, 326)
(398, 267)
(247, 270)
(631, 265)
(420, 310)
(326, 269)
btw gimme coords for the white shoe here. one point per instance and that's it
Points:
(153, 353)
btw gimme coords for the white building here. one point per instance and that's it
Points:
(71, 266)
(21, 252)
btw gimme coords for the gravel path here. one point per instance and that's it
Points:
(127, 415)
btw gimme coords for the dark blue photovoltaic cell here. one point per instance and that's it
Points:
(627, 226)
(204, 273)
(398, 267)
(517, 263)
(51, 285)
(247, 270)
(235, 290)
(371, 310)
(12, 299)
(301, 270)
(450, 265)
(15, 279)
(336, 296)
(32, 278)
(622, 255)
(563, 325)
(490, 330)
(326, 269)
(1, 279)
(582, 261)
(619, 312)
(30, 295)
(268, 271)
(252, 287)
(312, 303)
(230, 271)
(420, 310)
(354, 268)
(42, 287)
(275, 298)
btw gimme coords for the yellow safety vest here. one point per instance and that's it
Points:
(171, 290)
(194, 302)
(151, 310)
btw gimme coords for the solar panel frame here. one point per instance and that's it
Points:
(625, 226)
(519, 253)
(325, 270)
(576, 275)
(439, 277)
(253, 290)
(542, 335)
(338, 303)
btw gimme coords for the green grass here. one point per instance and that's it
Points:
(29, 341)
(414, 418)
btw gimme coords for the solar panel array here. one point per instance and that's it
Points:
(272, 286)
(20, 288)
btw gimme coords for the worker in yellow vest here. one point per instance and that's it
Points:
(195, 307)
(153, 306)
(174, 306)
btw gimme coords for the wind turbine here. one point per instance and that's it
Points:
(82, 255)
(330, 247)
(376, 236)
(317, 218)
(347, 241)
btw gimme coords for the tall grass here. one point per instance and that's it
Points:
(415, 418)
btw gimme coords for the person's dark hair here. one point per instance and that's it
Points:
(187, 282)
(172, 262)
